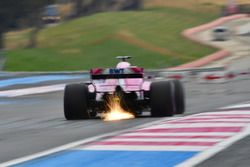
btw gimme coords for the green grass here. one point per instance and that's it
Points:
(75, 61)
(95, 40)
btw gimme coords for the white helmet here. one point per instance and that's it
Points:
(123, 64)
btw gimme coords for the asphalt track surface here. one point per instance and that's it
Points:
(35, 123)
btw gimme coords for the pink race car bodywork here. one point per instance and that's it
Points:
(127, 84)
(125, 80)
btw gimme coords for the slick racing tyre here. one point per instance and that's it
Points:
(162, 99)
(76, 102)
(179, 97)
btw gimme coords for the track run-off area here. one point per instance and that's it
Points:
(185, 141)
(34, 131)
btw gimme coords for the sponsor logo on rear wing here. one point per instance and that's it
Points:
(116, 73)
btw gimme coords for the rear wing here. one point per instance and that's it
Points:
(117, 73)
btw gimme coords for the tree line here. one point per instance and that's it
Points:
(86, 7)
(16, 14)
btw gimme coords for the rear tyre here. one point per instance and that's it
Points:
(179, 97)
(76, 102)
(162, 99)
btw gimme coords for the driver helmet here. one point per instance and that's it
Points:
(123, 65)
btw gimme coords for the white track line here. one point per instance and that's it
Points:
(34, 90)
(217, 121)
(164, 140)
(237, 106)
(146, 148)
(180, 134)
(214, 150)
(74, 144)
(246, 115)
(197, 125)
(225, 112)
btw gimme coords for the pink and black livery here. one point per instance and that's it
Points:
(136, 94)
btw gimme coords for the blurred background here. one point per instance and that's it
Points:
(62, 35)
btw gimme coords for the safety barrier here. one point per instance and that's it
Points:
(213, 77)
(211, 81)
(209, 75)
(179, 75)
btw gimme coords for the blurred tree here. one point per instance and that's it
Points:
(78, 7)
(85, 7)
(12, 12)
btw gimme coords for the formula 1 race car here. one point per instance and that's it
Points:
(136, 93)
